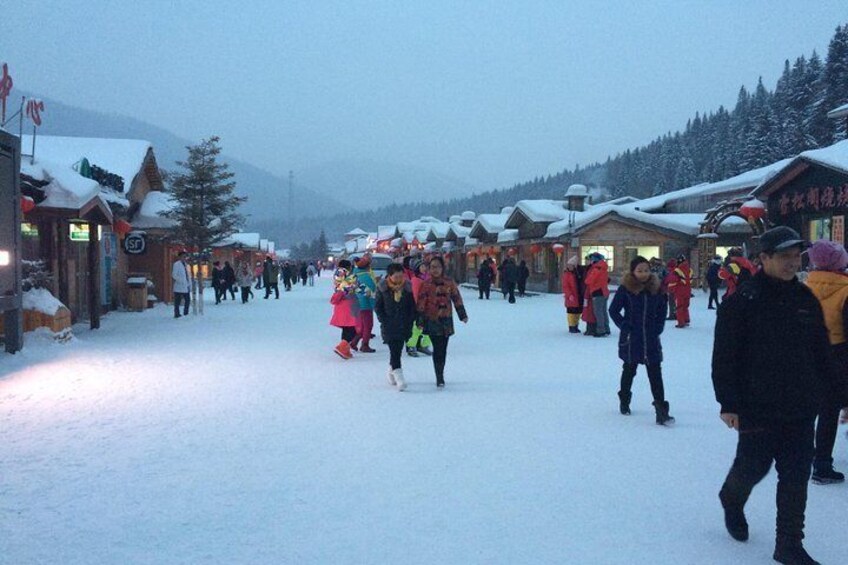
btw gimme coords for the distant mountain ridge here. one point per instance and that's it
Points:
(267, 193)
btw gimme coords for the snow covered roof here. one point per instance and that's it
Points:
(750, 179)
(507, 235)
(544, 211)
(458, 231)
(242, 240)
(455, 219)
(489, 223)
(468, 215)
(439, 231)
(839, 112)
(360, 244)
(688, 224)
(834, 156)
(149, 215)
(123, 157)
(356, 231)
(385, 233)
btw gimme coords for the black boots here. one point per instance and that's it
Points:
(734, 513)
(824, 474)
(663, 417)
(624, 402)
(440, 376)
(791, 504)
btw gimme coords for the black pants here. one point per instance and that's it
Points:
(713, 297)
(178, 298)
(510, 292)
(245, 294)
(395, 352)
(349, 333)
(628, 372)
(440, 355)
(790, 446)
(232, 290)
(272, 286)
(522, 286)
(218, 293)
(485, 290)
(826, 429)
(287, 283)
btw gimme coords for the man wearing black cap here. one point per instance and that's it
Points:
(771, 366)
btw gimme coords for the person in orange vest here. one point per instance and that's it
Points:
(737, 269)
(680, 285)
(829, 282)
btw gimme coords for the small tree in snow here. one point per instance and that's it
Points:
(205, 209)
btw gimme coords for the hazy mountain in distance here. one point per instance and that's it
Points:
(267, 193)
(367, 184)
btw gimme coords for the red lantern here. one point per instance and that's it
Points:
(121, 227)
(535, 248)
(512, 251)
(27, 204)
(753, 210)
(558, 248)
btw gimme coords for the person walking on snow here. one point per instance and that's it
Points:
(419, 342)
(218, 281)
(523, 275)
(771, 366)
(829, 283)
(485, 276)
(680, 286)
(366, 287)
(310, 274)
(345, 307)
(271, 278)
(572, 293)
(181, 276)
(597, 287)
(258, 273)
(229, 281)
(395, 309)
(669, 275)
(510, 278)
(713, 282)
(245, 282)
(434, 308)
(638, 310)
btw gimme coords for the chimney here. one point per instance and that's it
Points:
(576, 196)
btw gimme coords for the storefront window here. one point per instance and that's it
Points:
(646, 251)
(820, 228)
(608, 251)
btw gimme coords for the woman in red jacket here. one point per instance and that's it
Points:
(572, 293)
(680, 285)
(597, 290)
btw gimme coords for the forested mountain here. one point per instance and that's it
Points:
(763, 127)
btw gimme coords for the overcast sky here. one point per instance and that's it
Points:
(491, 93)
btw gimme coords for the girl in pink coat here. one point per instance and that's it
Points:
(345, 307)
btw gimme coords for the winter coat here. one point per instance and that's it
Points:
(680, 282)
(510, 272)
(771, 356)
(573, 290)
(303, 271)
(396, 317)
(597, 279)
(639, 311)
(217, 277)
(229, 276)
(713, 280)
(367, 288)
(245, 278)
(736, 272)
(417, 283)
(345, 309)
(485, 276)
(270, 273)
(523, 274)
(831, 290)
(434, 305)
(311, 270)
(181, 275)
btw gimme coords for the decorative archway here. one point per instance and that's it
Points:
(750, 210)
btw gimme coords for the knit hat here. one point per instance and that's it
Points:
(573, 261)
(828, 256)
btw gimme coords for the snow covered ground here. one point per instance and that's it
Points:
(240, 437)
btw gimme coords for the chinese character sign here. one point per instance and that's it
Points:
(6, 84)
(813, 199)
(837, 230)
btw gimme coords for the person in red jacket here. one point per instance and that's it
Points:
(680, 285)
(572, 293)
(737, 269)
(597, 290)
(669, 275)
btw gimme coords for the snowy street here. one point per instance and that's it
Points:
(240, 437)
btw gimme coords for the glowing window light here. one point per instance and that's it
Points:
(5, 258)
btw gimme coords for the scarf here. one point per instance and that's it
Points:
(396, 288)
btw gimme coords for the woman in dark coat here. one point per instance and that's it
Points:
(523, 275)
(639, 310)
(395, 309)
(484, 278)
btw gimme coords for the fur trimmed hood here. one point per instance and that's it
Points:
(652, 285)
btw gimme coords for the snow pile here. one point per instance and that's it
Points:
(66, 189)
(41, 300)
(150, 214)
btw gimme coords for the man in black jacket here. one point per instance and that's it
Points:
(771, 366)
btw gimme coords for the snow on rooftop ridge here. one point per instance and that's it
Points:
(455, 219)
(749, 179)
(357, 231)
(468, 215)
(492, 223)
(150, 214)
(508, 235)
(834, 156)
(543, 210)
(123, 157)
(66, 188)
(507, 210)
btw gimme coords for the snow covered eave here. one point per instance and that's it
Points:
(96, 210)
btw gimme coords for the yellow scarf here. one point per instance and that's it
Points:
(396, 288)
